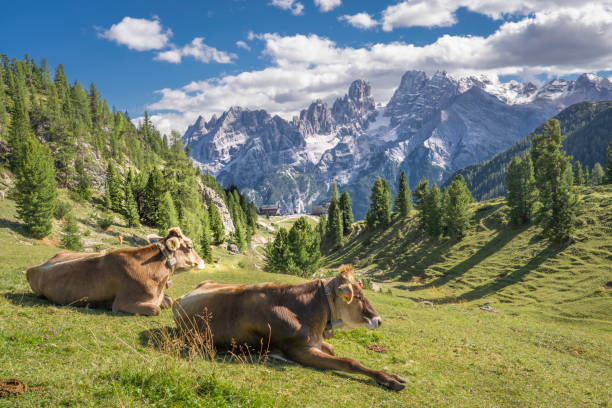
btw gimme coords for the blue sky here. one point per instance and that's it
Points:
(292, 52)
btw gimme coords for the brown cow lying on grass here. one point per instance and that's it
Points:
(129, 280)
(293, 319)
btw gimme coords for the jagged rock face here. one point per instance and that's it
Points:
(210, 195)
(431, 127)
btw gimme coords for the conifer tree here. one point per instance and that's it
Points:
(608, 177)
(432, 211)
(379, 214)
(278, 255)
(597, 176)
(216, 223)
(19, 131)
(578, 173)
(205, 238)
(151, 197)
(130, 208)
(552, 168)
(419, 194)
(239, 234)
(84, 185)
(71, 238)
(113, 196)
(322, 227)
(403, 205)
(166, 215)
(520, 190)
(335, 223)
(347, 213)
(457, 212)
(36, 189)
(303, 243)
(586, 178)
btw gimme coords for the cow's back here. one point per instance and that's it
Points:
(73, 278)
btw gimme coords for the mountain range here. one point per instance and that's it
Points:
(431, 127)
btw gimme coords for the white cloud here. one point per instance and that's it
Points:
(307, 67)
(362, 21)
(198, 50)
(242, 44)
(295, 7)
(327, 5)
(441, 13)
(138, 34)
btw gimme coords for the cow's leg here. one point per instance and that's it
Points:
(327, 348)
(166, 302)
(137, 308)
(312, 356)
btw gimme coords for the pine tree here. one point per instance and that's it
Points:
(586, 179)
(520, 190)
(239, 234)
(403, 205)
(151, 197)
(36, 189)
(578, 173)
(113, 197)
(597, 176)
(71, 238)
(83, 190)
(130, 208)
(166, 215)
(432, 210)
(419, 194)
(379, 214)
(608, 177)
(205, 238)
(216, 223)
(457, 213)
(347, 213)
(322, 226)
(19, 131)
(303, 243)
(335, 223)
(552, 173)
(278, 255)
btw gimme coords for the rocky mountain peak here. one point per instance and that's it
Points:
(316, 119)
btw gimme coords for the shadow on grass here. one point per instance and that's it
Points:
(29, 299)
(170, 340)
(13, 226)
(501, 283)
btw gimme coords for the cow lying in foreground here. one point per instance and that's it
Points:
(129, 280)
(293, 319)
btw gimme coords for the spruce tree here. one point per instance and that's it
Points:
(303, 243)
(114, 195)
(19, 131)
(578, 173)
(216, 223)
(520, 190)
(205, 238)
(322, 226)
(335, 223)
(71, 238)
(432, 210)
(403, 205)
(586, 178)
(347, 213)
(608, 177)
(278, 255)
(420, 192)
(457, 212)
(151, 197)
(379, 214)
(552, 172)
(166, 215)
(239, 234)
(130, 208)
(83, 190)
(36, 189)
(597, 176)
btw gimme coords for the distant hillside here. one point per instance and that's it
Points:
(588, 127)
(494, 262)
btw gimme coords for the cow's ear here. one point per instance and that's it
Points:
(345, 292)
(175, 232)
(173, 244)
(345, 272)
(152, 238)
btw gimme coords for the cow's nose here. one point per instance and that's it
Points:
(374, 323)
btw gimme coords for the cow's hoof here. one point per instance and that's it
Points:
(392, 382)
(167, 302)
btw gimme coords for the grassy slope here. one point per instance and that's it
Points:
(452, 354)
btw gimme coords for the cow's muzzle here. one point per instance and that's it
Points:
(374, 323)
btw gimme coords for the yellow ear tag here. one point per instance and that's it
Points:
(346, 297)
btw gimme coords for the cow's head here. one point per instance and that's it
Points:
(181, 248)
(350, 303)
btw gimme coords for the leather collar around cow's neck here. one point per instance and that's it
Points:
(329, 293)
(168, 256)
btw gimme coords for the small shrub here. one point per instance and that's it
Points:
(62, 208)
(71, 239)
(104, 222)
(242, 264)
